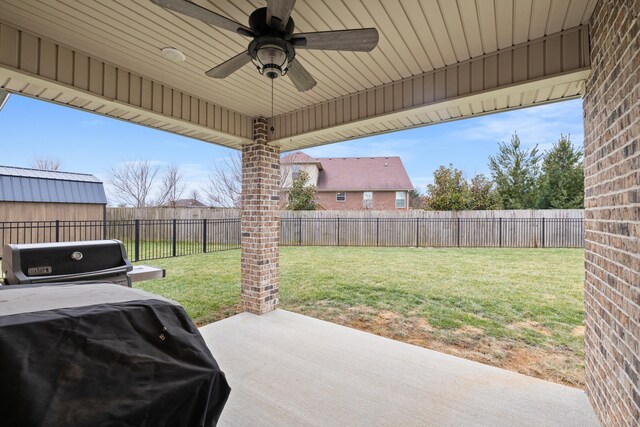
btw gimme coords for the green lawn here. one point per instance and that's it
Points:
(521, 309)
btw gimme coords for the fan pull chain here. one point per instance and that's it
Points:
(272, 128)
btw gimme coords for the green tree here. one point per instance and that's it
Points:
(449, 191)
(562, 178)
(482, 194)
(302, 197)
(515, 172)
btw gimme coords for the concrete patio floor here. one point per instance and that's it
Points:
(286, 369)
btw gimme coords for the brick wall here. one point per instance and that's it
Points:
(612, 213)
(260, 222)
(382, 201)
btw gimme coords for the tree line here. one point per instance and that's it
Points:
(520, 179)
(137, 183)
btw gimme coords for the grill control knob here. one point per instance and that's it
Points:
(76, 256)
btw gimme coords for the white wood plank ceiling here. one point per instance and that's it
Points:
(416, 36)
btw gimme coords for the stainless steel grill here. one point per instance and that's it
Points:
(97, 260)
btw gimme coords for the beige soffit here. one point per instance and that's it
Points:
(549, 69)
(418, 39)
(40, 68)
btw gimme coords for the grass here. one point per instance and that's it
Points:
(521, 309)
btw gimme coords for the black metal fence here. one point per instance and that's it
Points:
(144, 239)
(152, 239)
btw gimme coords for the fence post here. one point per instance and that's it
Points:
(377, 232)
(500, 231)
(458, 231)
(104, 229)
(136, 240)
(417, 232)
(338, 231)
(300, 231)
(57, 230)
(204, 235)
(173, 239)
(543, 232)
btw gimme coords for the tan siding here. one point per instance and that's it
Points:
(416, 36)
(69, 74)
(96, 43)
(24, 211)
(549, 57)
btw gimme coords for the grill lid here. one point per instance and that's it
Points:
(66, 261)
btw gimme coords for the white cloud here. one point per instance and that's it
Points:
(537, 125)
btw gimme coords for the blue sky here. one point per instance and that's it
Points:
(90, 143)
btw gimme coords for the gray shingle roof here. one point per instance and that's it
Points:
(34, 185)
(356, 173)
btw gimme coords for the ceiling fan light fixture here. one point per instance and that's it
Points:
(271, 60)
(173, 54)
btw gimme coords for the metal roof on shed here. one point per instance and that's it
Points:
(33, 185)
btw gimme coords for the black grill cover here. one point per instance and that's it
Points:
(133, 360)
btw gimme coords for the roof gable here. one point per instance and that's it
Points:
(298, 157)
(363, 174)
(185, 203)
(40, 186)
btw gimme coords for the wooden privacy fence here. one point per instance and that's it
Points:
(434, 232)
(160, 238)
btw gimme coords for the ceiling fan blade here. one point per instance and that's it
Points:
(229, 66)
(281, 11)
(300, 77)
(205, 15)
(360, 40)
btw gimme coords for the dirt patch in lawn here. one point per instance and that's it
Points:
(578, 331)
(557, 365)
(530, 324)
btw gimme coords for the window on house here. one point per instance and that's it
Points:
(367, 199)
(295, 171)
(341, 196)
(401, 199)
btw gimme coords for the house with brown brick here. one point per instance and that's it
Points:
(351, 183)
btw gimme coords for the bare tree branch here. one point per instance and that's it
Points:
(171, 187)
(224, 186)
(195, 195)
(43, 163)
(132, 182)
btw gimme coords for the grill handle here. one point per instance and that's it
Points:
(76, 276)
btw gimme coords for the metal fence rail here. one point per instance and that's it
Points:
(153, 239)
(144, 239)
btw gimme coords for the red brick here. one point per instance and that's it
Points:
(612, 214)
(260, 222)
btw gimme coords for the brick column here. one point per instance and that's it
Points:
(612, 213)
(260, 222)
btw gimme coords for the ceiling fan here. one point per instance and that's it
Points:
(273, 46)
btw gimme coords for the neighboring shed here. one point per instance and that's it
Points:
(39, 195)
